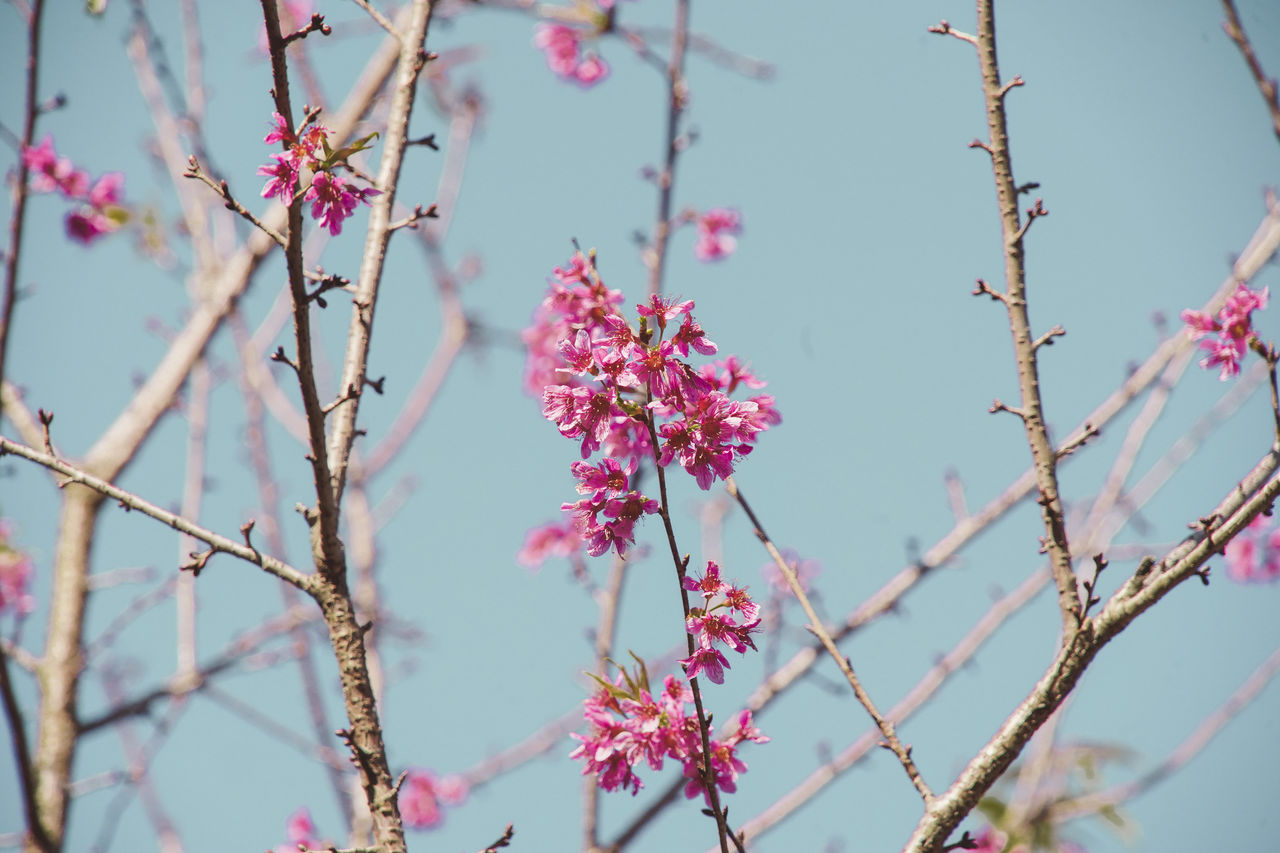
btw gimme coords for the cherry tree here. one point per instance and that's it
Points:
(275, 330)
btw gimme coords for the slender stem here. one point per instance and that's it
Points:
(704, 725)
(129, 500)
(677, 98)
(1032, 407)
(19, 217)
(22, 757)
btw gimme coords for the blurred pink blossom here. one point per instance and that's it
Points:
(422, 795)
(1253, 556)
(716, 234)
(15, 575)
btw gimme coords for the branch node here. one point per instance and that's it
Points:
(984, 288)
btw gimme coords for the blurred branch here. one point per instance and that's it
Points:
(1266, 85)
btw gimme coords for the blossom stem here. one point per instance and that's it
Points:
(682, 565)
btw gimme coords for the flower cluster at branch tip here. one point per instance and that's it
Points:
(422, 795)
(1254, 554)
(716, 234)
(602, 382)
(629, 725)
(1233, 326)
(301, 832)
(99, 210)
(15, 575)
(333, 198)
(709, 627)
(563, 47)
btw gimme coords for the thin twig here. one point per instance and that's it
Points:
(129, 500)
(883, 723)
(1266, 85)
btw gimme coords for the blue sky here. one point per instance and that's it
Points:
(866, 221)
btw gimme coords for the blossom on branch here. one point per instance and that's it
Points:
(716, 234)
(1233, 326)
(101, 209)
(563, 48)
(333, 198)
(628, 726)
(422, 795)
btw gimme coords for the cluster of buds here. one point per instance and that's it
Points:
(307, 152)
(98, 208)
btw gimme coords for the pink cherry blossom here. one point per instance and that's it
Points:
(333, 200)
(15, 575)
(557, 539)
(1233, 326)
(591, 70)
(301, 832)
(422, 795)
(562, 46)
(716, 234)
(51, 173)
(283, 176)
(1253, 556)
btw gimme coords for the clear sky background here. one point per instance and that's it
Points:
(866, 221)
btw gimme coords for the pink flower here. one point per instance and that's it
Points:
(1234, 328)
(332, 200)
(106, 190)
(557, 539)
(15, 575)
(590, 71)
(50, 173)
(279, 131)
(87, 224)
(562, 46)
(1253, 556)
(283, 176)
(628, 726)
(422, 794)
(301, 832)
(716, 230)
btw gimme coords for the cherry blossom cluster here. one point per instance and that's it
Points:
(710, 628)
(604, 382)
(563, 48)
(98, 208)
(15, 575)
(1233, 327)
(562, 43)
(333, 198)
(1254, 554)
(717, 230)
(628, 725)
